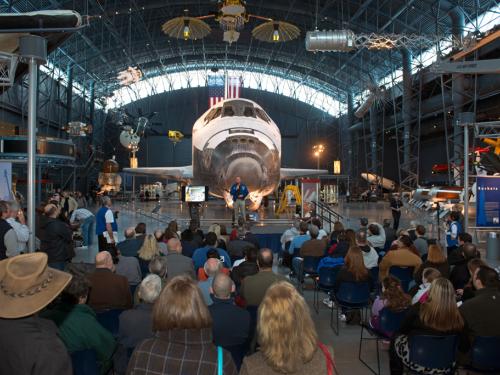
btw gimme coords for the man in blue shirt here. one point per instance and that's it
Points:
(299, 240)
(239, 192)
(454, 229)
(200, 255)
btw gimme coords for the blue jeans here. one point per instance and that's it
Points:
(87, 230)
(57, 265)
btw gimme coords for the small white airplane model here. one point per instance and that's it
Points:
(234, 138)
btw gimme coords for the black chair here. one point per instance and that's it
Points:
(350, 296)
(325, 282)
(389, 323)
(485, 355)
(433, 352)
(85, 362)
(238, 352)
(374, 275)
(305, 266)
(404, 274)
(252, 337)
(109, 319)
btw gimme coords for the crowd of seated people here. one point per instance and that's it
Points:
(150, 307)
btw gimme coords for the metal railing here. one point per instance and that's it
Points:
(326, 213)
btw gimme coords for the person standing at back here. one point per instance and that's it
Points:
(8, 237)
(106, 227)
(17, 221)
(454, 229)
(239, 192)
(396, 204)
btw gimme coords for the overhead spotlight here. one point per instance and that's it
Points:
(186, 31)
(276, 33)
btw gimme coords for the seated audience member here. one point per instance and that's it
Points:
(459, 275)
(376, 236)
(30, 344)
(469, 290)
(390, 233)
(250, 237)
(231, 324)
(405, 242)
(148, 251)
(289, 234)
(140, 231)
(254, 287)
(341, 246)
(177, 263)
(400, 257)
(212, 253)
(314, 247)
(321, 232)
(289, 343)
(370, 256)
(353, 271)
(160, 242)
(439, 315)
(130, 268)
(247, 268)
(435, 259)
(427, 276)
(363, 225)
(212, 267)
(421, 242)
(137, 324)
(297, 242)
(183, 325)
(216, 228)
(131, 245)
(338, 228)
(158, 266)
(392, 297)
(481, 312)
(236, 248)
(200, 255)
(78, 326)
(189, 243)
(456, 256)
(108, 290)
(172, 231)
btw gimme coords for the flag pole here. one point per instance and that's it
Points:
(226, 86)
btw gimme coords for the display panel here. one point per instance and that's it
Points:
(194, 194)
(488, 202)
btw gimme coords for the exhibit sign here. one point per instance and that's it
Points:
(310, 194)
(488, 201)
(6, 182)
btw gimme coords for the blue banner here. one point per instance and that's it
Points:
(488, 202)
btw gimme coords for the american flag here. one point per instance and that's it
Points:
(218, 90)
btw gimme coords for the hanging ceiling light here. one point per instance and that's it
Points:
(186, 31)
(186, 28)
(276, 31)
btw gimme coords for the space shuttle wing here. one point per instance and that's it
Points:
(289, 173)
(178, 173)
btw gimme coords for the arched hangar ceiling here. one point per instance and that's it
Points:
(126, 33)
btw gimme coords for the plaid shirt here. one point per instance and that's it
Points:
(179, 352)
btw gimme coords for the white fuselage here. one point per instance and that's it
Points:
(236, 138)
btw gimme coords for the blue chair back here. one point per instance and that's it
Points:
(485, 353)
(327, 276)
(85, 362)
(109, 319)
(310, 264)
(433, 351)
(404, 274)
(390, 321)
(353, 293)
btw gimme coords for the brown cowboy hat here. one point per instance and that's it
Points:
(27, 285)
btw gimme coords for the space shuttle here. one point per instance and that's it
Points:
(234, 138)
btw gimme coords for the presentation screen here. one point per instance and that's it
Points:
(488, 202)
(194, 194)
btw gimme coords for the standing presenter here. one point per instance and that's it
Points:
(239, 192)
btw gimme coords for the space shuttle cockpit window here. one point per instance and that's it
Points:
(228, 111)
(213, 114)
(249, 112)
(262, 115)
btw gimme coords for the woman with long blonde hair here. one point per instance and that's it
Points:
(435, 259)
(438, 315)
(148, 251)
(287, 337)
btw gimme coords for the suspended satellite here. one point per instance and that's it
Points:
(232, 16)
(77, 129)
(175, 136)
(129, 76)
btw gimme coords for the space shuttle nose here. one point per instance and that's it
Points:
(249, 169)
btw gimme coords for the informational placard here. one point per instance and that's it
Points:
(6, 182)
(310, 194)
(488, 201)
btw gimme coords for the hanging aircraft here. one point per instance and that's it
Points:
(234, 138)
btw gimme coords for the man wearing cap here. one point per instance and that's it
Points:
(28, 343)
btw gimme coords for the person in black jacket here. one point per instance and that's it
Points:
(56, 238)
(460, 275)
(246, 268)
(439, 316)
(231, 324)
